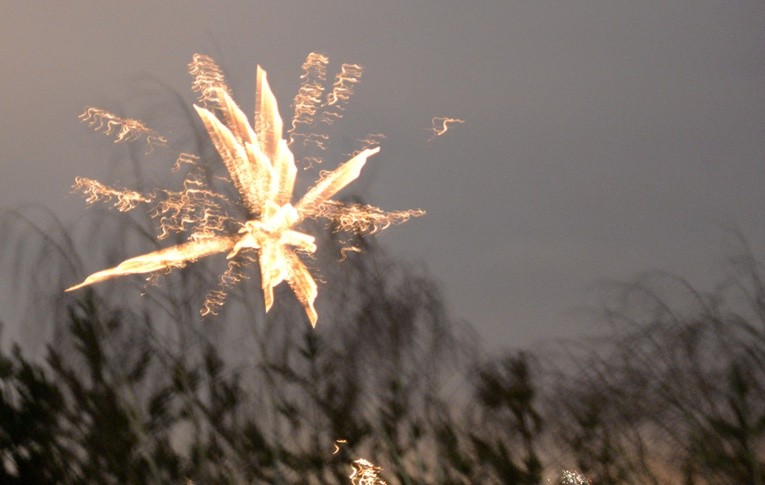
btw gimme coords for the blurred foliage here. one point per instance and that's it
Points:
(674, 394)
(142, 390)
(118, 384)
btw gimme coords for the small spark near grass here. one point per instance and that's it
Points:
(261, 166)
(571, 477)
(363, 472)
(366, 473)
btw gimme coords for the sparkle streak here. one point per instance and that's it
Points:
(441, 125)
(123, 129)
(122, 199)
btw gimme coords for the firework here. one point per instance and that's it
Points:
(261, 167)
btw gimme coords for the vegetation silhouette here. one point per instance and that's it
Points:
(143, 390)
(125, 382)
(675, 392)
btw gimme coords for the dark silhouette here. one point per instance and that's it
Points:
(675, 393)
(126, 383)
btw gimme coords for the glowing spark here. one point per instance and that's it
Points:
(184, 159)
(208, 79)
(213, 302)
(308, 98)
(344, 252)
(366, 473)
(372, 139)
(362, 218)
(309, 162)
(570, 477)
(338, 444)
(262, 169)
(441, 125)
(124, 129)
(195, 208)
(122, 199)
(342, 89)
(310, 139)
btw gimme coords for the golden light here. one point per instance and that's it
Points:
(261, 166)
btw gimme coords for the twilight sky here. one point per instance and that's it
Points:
(602, 139)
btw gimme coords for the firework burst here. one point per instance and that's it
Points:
(261, 167)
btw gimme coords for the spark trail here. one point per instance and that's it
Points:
(123, 129)
(363, 471)
(441, 125)
(262, 168)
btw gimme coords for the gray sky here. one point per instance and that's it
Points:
(602, 139)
